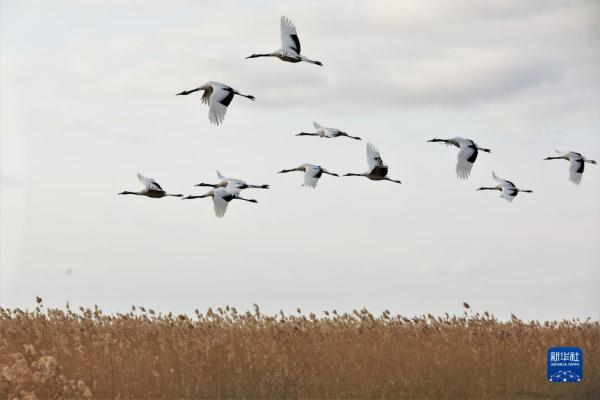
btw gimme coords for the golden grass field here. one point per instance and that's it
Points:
(56, 354)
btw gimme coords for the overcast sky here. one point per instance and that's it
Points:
(87, 101)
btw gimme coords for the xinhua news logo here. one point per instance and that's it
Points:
(565, 364)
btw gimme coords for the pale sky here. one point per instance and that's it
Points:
(87, 101)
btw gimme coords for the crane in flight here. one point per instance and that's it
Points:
(218, 96)
(290, 45)
(467, 154)
(508, 190)
(377, 169)
(327, 132)
(221, 198)
(312, 173)
(151, 189)
(576, 164)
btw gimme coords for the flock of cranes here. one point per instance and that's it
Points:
(219, 96)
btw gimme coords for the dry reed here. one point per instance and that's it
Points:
(58, 354)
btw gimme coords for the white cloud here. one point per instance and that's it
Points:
(384, 56)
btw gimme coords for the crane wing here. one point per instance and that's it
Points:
(149, 183)
(220, 203)
(235, 186)
(465, 159)
(331, 132)
(373, 157)
(219, 100)
(500, 180)
(289, 37)
(312, 175)
(206, 95)
(576, 168)
(509, 192)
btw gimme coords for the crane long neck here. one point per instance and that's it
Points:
(262, 55)
(197, 197)
(446, 141)
(186, 92)
(439, 140)
(206, 184)
(249, 200)
(259, 186)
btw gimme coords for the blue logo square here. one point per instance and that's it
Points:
(565, 364)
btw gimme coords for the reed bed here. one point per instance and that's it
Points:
(60, 354)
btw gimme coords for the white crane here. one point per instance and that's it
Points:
(290, 45)
(221, 198)
(377, 169)
(232, 183)
(218, 96)
(151, 189)
(327, 132)
(312, 173)
(508, 189)
(466, 156)
(577, 164)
